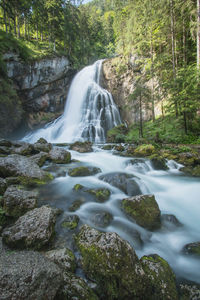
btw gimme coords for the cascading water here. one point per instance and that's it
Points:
(89, 113)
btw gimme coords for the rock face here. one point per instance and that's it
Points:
(16, 201)
(144, 210)
(23, 167)
(112, 263)
(121, 83)
(42, 85)
(122, 181)
(28, 275)
(33, 230)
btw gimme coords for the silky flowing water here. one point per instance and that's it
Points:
(89, 113)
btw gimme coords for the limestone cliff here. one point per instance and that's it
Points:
(120, 80)
(41, 86)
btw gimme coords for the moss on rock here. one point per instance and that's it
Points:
(101, 195)
(145, 150)
(83, 171)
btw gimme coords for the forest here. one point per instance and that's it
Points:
(164, 35)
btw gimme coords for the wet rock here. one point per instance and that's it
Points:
(60, 155)
(192, 248)
(3, 186)
(28, 275)
(70, 221)
(191, 171)
(12, 181)
(108, 147)
(57, 170)
(81, 147)
(78, 187)
(75, 288)
(76, 205)
(42, 147)
(119, 148)
(101, 195)
(34, 230)
(122, 181)
(64, 258)
(189, 291)
(161, 276)
(42, 141)
(170, 220)
(4, 150)
(112, 264)
(188, 158)
(5, 143)
(101, 219)
(159, 163)
(83, 171)
(144, 210)
(40, 158)
(28, 172)
(17, 201)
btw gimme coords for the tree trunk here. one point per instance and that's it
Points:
(18, 27)
(173, 47)
(25, 29)
(141, 121)
(198, 34)
(5, 20)
(37, 31)
(184, 42)
(185, 122)
(15, 29)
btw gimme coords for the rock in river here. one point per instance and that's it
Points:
(33, 230)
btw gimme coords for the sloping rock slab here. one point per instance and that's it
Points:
(16, 201)
(33, 230)
(28, 275)
(125, 182)
(24, 167)
(144, 210)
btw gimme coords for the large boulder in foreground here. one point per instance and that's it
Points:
(28, 275)
(161, 276)
(144, 210)
(125, 182)
(24, 168)
(33, 230)
(17, 201)
(81, 147)
(113, 264)
(60, 155)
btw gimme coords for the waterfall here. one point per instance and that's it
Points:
(89, 112)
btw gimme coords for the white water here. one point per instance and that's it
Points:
(89, 111)
(175, 194)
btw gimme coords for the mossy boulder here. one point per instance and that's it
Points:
(64, 258)
(60, 155)
(125, 182)
(34, 230)
(100, 195)
(81, 147)
(17, 201)
(76, 204)
(25, 149)
(40, 158)
(2, 217)
(112, 263)
(27, 171)
(42, 147)
(192, 248)
(189, 291)
(144, 150)
(144, 210)
(70, 222)
(189, 158)
(78, 187)
(108, 147)
(83, 171)
(101, 218)
(161, 276)
(42, 141)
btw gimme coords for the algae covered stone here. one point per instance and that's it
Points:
(112, 263)
(83, 171)
(144, 210)
(192, 248)
(70, 222)
(60, 155)
(158, 163)
(161, 276)
(101, 195)
(144, 150)
(81, 147)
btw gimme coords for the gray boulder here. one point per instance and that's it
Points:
(60, 155)
(83, 171)
(64, 258)
(3, 186)
(17, 201)
(125, 182)
(23, 167)
(81, 147)
(28, 275)
(34, 230)
(192, 249)
(25, 149)
(40, 158)
(42, 147)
